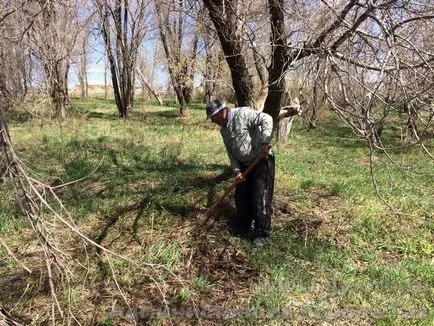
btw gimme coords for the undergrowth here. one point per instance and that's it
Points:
(338, 254)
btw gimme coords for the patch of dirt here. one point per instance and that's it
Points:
(305, 226)
(207, 252)
(315, 219)
(366, 160)
(224, 264)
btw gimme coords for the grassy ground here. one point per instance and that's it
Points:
(337, 255)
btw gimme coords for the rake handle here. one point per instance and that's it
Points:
(233, 185)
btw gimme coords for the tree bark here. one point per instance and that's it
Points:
(54, 56)
(285, 118)
(213, 67)
(225, 19)
(57, 79)
(8, 163)
(279, 60)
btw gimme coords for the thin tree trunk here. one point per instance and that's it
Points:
(148, 86)
(181, 68)
(105, 77)
(83, 72)
(58, 89)
(182, 102)
(114, 75)
(276, 80)
(284, 126)
(225, 18)
(8, 162)
(285, 119)
(122, 30)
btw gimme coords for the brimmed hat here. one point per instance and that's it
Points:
(214, 107)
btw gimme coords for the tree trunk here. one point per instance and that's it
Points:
(312, 118)
(57, 77)
(207, 92)
(180, 63)
(208, 83)
(213, 69)
(122, 29)
(182, 102)
(225, 18)
(241, 79)
(82, 75)
(54, 47)
(86, 85)
(8, 163)
(280, 58)
(105, 77)
(285, 119)
(284, 126)
(112, 62)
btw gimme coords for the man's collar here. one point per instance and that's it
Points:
(229, 116)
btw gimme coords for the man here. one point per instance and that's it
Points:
(247, 134)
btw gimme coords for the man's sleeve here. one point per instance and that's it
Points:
(235, 164)
(264, 120)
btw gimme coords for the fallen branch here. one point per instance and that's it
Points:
(10, 253)
(7, 320)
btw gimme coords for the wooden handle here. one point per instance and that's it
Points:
(233, 185)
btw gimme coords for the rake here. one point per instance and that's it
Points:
(232, 187)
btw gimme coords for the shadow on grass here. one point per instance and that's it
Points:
(297, 258)
(153, 118)
(18, 116)
(335, 135)
(159, 184)
(19, 286)
(164, 114)
(168, 198)
(100, 115)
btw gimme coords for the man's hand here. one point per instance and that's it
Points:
(265, 150)
(239, 177)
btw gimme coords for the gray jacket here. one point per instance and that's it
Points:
(244, 134)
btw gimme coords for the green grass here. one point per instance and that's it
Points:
(337, 254)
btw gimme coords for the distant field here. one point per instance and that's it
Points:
(337, 256)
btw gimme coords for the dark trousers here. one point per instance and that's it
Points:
(253, 198)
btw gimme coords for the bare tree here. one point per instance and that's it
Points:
(53, 36)
(213, 68)
(26, 193)
(227, 19)
(123, 26)
(178, 34)
(14, 71)
(15, 59)
(279, 62)
(230, 26)
(372, 40)
(257, 30)
(82, 64)
(383, 72)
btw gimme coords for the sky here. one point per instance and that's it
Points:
(96, 69)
